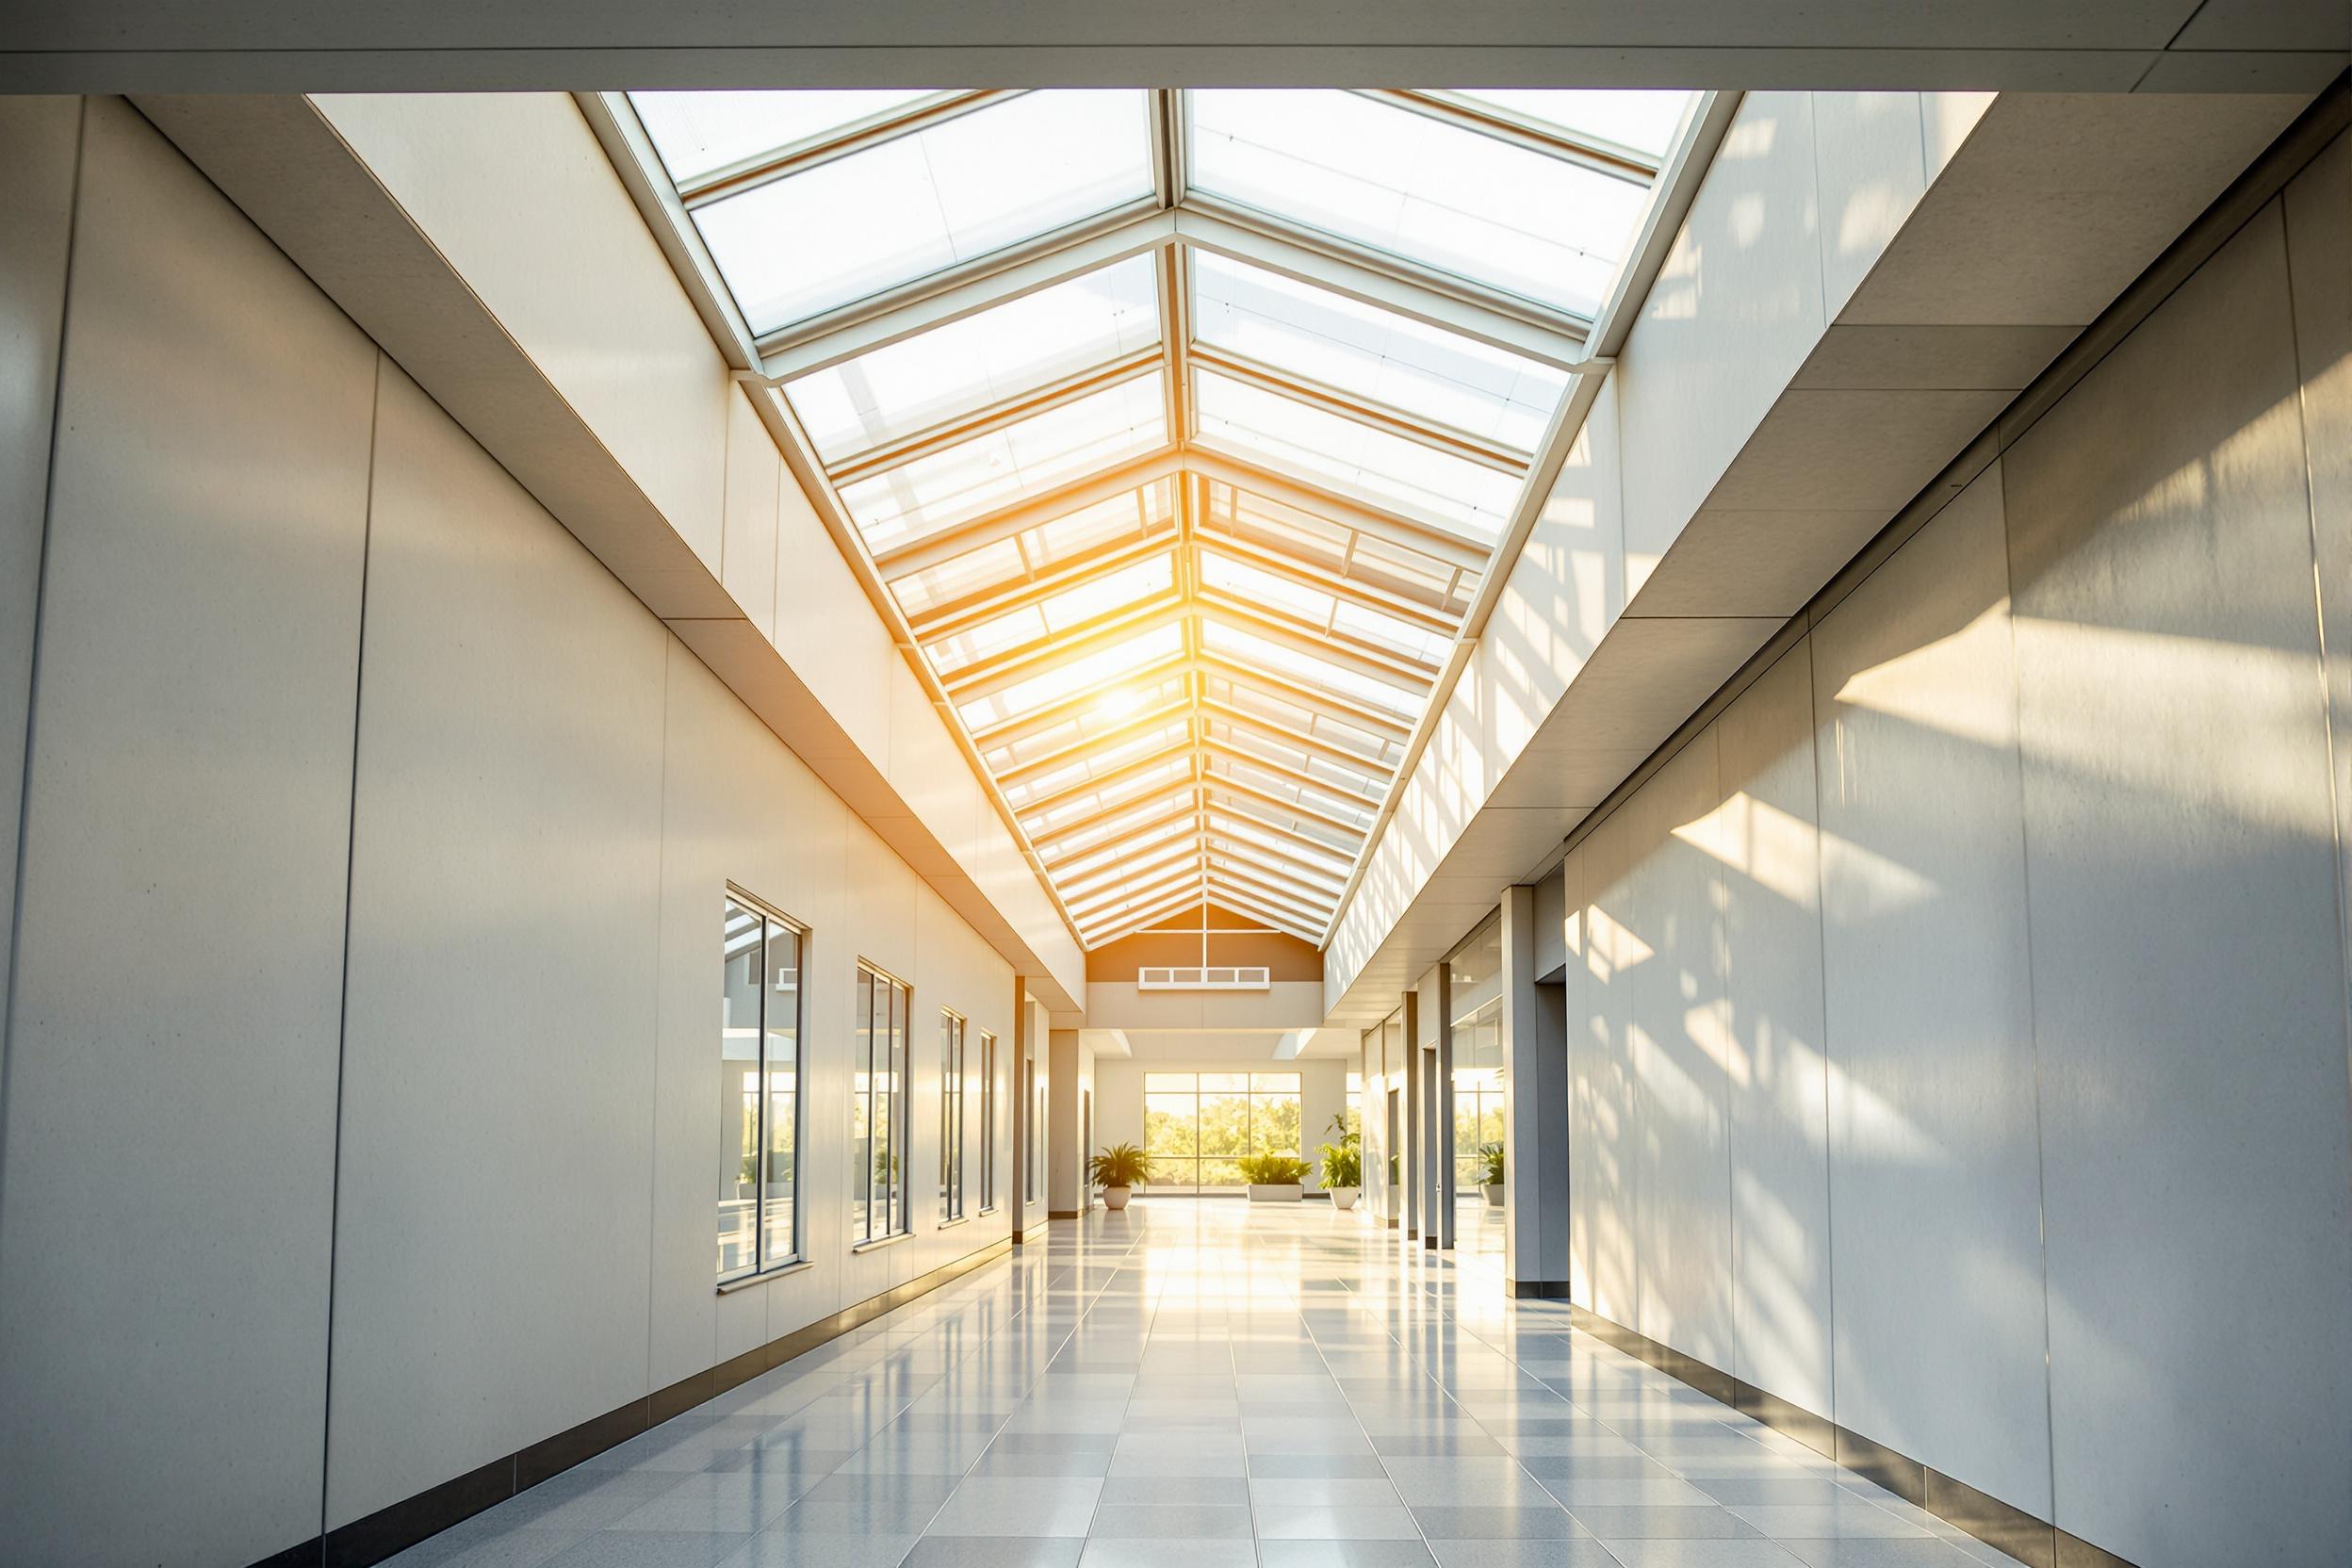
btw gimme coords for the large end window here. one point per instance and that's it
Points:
(877, 1108)
(759, 1091)
(951, 1116)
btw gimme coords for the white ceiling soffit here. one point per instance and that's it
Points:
(1176, 432)
(426, 45)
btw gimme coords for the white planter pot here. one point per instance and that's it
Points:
(1495, 1195)
(1342, 1197)
(1116, 1197)
(1291, 1193)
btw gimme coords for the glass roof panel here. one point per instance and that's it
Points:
(700, 133)
(1250, 651)
(889, 214)
(1145, 782)
(1312, 830)
(1356, 459)
(1256, 586)
(1419, 371)
(988, 357)
(1055, 613)
(951, 582)
(1108, 828)
(928, 494)
(1228, 829)
(1384, 630)
(1116, 707)
(1252, 703)
(1449, 198)
(1644, 121)
(1100, 667)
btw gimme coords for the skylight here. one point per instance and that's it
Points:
(1180, 429)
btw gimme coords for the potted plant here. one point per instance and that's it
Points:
(1275, 1178)
(1119, 1170)
(1342, 1166)
(1491, 1173)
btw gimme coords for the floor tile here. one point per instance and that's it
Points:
(778, 1549)
(965, 1551)
(1313, 1522)
(1581, 1553)
(1633, 1523)
(1495, 1524)
(1834, 1521)
(1109, 1552)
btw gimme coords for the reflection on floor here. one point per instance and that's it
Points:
(1197, 1383)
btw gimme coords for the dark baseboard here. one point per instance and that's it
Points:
(1536, 1290)
(2035, 1541)
(366, 1541)
(1065, 1214)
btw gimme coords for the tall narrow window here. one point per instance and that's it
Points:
(987, 1122)
(877, 1108)
(759, 1211)
(951, 1116)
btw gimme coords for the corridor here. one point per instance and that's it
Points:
(1205, 1383)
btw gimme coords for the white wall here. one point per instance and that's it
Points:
(1957, 1022)
(291, 613)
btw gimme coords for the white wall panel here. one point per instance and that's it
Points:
(2189, 969)
(1766, 835)
(499, 1103)
(43, 139)
(168, 1192)
(1735, 310)
(1870, 159)
(754, 471)
(2319, 254)
(1934, 1187)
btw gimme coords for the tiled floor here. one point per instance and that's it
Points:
(1203, 1383)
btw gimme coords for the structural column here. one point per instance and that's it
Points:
(1535, 1113)
(1437, 1053)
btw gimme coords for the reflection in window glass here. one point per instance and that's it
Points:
(979, 360)
(1474, 981)
(1452, 199)
(701, 133)
(1419, 371)
(758, 1218)
(1356, 459)
(872, 219)
(878, 1108)
(987, 1121)
(939, 489)
(951, 1116)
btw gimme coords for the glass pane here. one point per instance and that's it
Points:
(1225, 1123)
(1250, 651)
(1353, 458)
(1448, 198)
(739, 1090)
(960, 188)
(699, 133)
(1174, 1174)
(1057, 613)
(861, 1111)
(1256, 586)
(1217, 1175)
(1419, 371)
(1644, 121)
(1169, 1083)
(1274, 1123)
(779, 1210)
(1099, 668)
(1168, 1125)
(1024, 459)
(896, 1119)
(978, 361)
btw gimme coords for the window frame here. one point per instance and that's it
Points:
(953, 1026)
(773, 922)
(883, 1103)
(987, 1121)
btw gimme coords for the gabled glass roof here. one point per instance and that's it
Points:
(1180, 427)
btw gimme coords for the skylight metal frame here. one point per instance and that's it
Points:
(1171, 224)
